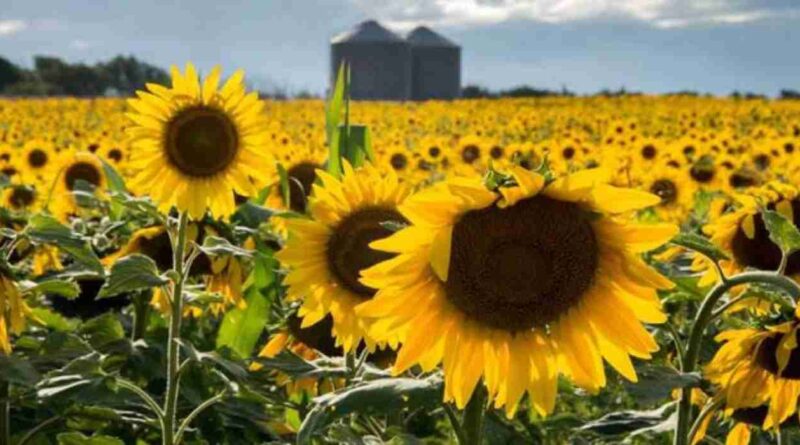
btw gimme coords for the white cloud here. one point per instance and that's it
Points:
(10, 27)
(404, 14)
(80, 45)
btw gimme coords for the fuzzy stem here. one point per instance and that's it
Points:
(701, 321)
(173, 353)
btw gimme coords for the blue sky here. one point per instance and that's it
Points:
(649, 45)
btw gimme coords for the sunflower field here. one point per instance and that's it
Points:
(197, 265)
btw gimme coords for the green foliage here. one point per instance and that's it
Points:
(782, 231)
(131, 273)
(699, 244)
(46, 230)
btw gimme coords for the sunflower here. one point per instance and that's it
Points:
(21, 198)
(675, 190)
(74, 168)
(36, 159)
(743, 234)
(759, 367)
(519, 284)
(193, 145)
(326, 254)
(13, 311)
(300, 164)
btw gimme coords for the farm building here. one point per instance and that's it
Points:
(385, 66)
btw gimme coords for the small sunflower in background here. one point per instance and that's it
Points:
(300, 164)
(75, 168)
(675, 190)
(21, 198)
(326, 254)
(36, 160)
(193, 145)
(517, 285)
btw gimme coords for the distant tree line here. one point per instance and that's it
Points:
(477, 91)
(52, 76)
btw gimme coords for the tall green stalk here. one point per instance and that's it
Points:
(5, 413)
(703, 318)
(173, 353)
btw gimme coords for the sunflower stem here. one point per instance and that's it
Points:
(474, 414)
(173, 353)
(141, 312)
(702, 319)
(5, 413)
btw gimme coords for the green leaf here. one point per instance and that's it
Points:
(335, 112)
(376, 397)
(62, 288)
(80, 439)
(54, 320)
(782, 231)
(216, 246)
(358, 148)
(114, 180)
(131, 273)
(322, 368)
(103, 330)
(627, 422)
(17, 371)
(701, 244)
(242, 327)
(656, 383)
(252, 215)
(44, 229)
(231, 368)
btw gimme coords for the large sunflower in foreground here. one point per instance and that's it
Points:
(326, 254)
(517, 285)
(195, 144)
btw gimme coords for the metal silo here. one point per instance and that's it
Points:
(380, 62)
(436, 65)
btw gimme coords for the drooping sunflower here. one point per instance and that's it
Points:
(13, 311)
(759, 367)
(519, 284)
(326, 254)
(194, 145)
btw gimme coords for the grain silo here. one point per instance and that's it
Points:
(380, 62)
(435, 65)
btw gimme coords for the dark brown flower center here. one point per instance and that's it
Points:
(756, 416)
(702, 172)
(348, 250)
(743, 178)
(766, 359)
(201, 141)
(84, 171)
(399, 161)
(521, 267)
(434, 152)
(761, 161)
(115, 154)
(470, 153)
(759, 251)
(665, 189)
(37, 158)
(21, 197)
(301, 178)
(648, 151)
(496, 152)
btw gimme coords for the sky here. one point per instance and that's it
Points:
(654, 46)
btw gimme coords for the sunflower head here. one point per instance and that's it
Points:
(195, 145)
(490, 278)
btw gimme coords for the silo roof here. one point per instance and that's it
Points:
(368, 31)
(424, 36)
